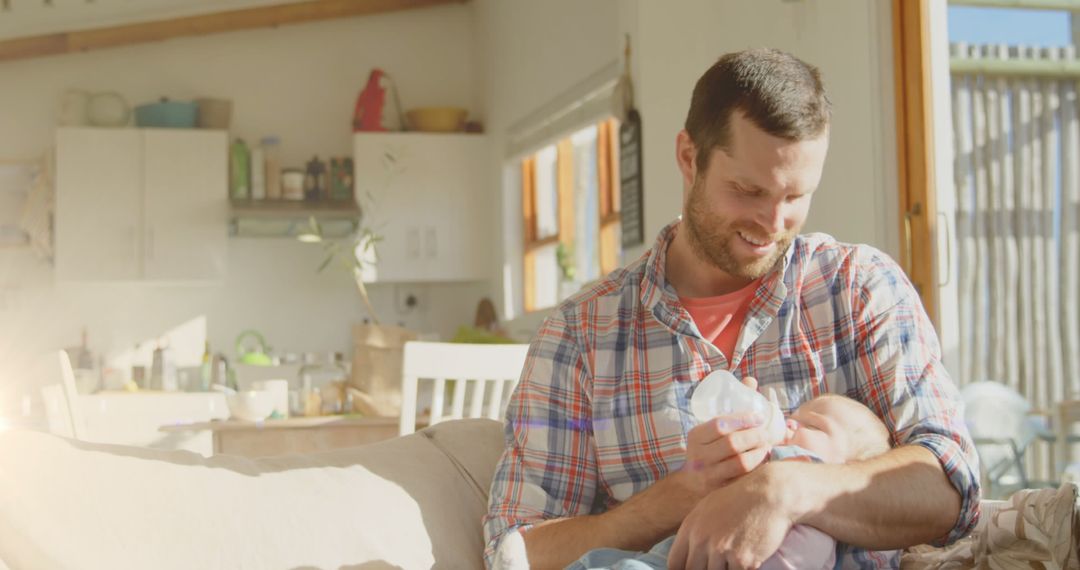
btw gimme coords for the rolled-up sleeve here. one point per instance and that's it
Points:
(548, 469)
(908, 386)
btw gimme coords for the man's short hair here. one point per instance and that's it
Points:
(781, 94)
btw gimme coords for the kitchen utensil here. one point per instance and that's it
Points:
(73, 108)
(107, 109)
(258, 355)
(101, 109)
(167, 114)
(251, 405)
(214, 113)
(436, 119)
(315, 180)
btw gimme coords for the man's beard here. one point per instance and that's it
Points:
(711, 239)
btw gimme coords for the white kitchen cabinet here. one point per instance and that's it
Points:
(98, 204)
(428, 200)
(141, 204)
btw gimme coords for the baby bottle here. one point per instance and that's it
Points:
(721, 394)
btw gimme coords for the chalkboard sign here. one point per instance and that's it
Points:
(630, 180)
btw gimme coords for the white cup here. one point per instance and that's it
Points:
(280, 390)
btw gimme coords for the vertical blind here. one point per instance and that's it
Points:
(1017, 182)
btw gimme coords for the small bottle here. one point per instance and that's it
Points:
(221, 373)
(156, 366)
(258, 174)
(315, 180)
(84, 359)
(170, 380)
(206, 370)
(239, 171)
(310, 399)
(335, 387)
(271, 150)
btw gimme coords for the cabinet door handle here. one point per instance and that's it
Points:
(946, 226)
(413, 243)
(430, 242)
(909, 247)
(134, 243)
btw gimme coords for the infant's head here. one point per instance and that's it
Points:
(838, 429)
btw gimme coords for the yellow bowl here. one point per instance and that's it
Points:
(436, 119)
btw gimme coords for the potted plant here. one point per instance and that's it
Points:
(378, 349)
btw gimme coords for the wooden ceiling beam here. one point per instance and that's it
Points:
(233, 20)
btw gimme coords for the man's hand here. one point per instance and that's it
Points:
(724, 448)
(738, 526)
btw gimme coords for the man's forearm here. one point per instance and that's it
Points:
(638, 524)
(899, 499)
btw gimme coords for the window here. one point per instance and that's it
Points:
(570, 212)
(1012, 26)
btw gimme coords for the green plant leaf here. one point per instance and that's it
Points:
(315, 227)
(326, 261)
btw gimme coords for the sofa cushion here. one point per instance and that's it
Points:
(411, 502)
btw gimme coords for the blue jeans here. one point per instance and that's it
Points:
(616, 559)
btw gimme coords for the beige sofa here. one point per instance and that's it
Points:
(412, 502)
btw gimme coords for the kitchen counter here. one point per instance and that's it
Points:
(293, 435)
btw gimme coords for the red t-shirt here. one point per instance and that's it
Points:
(721, 318)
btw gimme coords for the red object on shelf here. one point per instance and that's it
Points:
(373, 113)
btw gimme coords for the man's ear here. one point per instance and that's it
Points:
(686, 158)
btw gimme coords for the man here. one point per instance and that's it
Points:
(601, 448)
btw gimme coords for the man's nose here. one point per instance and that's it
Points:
(772, 218)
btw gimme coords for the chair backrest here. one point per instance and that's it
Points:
(62, 402)
(994, 410)
(482, 377)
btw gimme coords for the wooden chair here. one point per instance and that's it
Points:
(480, 376)
(62, 402)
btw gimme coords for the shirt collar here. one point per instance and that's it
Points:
(659, 297)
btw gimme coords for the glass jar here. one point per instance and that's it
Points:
(323, 385)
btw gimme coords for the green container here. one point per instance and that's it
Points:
(239, 171)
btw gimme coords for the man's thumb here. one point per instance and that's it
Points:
(750, 382)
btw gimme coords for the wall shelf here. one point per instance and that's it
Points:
(281, 218)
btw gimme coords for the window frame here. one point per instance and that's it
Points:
(609, 213)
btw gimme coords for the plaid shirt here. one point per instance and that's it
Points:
(602, 409)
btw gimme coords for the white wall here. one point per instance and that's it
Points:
(847, 39)
(532, 56)
(299, 82)
(530, 53)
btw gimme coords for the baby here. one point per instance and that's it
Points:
(830, 428)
